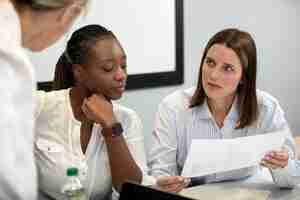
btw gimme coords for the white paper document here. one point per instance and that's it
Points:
(208, 156)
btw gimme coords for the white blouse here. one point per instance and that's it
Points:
(17, 83)
(177, 125)
(57, 147)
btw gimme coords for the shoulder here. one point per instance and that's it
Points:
(271, 115)
(266, 102)
(11, 34)
(50, 101)
(178, 100)
(13, 59)
(52, 97)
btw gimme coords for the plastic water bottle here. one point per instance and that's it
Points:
(73, 189)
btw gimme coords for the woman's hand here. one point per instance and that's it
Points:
(98, 109)
(276, 159)
(172, 183)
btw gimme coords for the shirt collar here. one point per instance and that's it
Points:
(204, 113)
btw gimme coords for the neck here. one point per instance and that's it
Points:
(26, 27)
(220, 108)
(35, 27)
(77, 95)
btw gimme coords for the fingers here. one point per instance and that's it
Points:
(281, 155)
(85, 108)
(268, 165)
(168, 180)
(273, 164)
(275, 159)
(95, 97)
(96, 108)
(172, 183)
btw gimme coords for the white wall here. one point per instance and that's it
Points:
(273, 24)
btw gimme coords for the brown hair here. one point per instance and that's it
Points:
(243, 45)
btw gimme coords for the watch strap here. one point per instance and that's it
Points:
(114, 131)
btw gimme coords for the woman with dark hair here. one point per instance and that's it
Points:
(78, 125)
(35, 25)
(225, 104)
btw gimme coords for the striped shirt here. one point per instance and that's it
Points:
(177, 125)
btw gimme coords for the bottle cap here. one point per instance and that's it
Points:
(72, 171)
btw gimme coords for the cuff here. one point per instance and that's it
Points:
(282, 176)
(148, 180)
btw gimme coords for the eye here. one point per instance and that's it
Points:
(108, 67)
(228, 68)
(124, 67)
(210, 62)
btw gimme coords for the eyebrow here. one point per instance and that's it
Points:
(227, 64)
(111, 59)
(207, 57)
(230, 65)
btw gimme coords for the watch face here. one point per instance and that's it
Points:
(117, 129)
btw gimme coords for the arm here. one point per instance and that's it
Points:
(122, 164)
(163, 154)
(134, 138)
(282, 164)
(17, 171)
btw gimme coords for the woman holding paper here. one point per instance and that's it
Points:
(225, 104)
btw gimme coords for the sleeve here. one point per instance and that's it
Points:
(17, 162)
(274, 120)
(163, 152)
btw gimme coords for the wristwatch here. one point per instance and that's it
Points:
(114, 131)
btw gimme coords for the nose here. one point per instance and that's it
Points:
(214, 73)
(121, 74)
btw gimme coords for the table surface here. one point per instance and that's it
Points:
(262, 181)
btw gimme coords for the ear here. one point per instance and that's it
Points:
(79, 73)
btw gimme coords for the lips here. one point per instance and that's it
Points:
(121, 88)
(213, 85)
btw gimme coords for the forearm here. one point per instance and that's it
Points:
(123, 166)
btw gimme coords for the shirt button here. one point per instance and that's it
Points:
(84, 170)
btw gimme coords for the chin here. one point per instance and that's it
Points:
(214, 94)
(36, 48)
(115, 97)
(214, 97)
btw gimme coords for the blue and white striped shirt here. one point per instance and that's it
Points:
(177, 125)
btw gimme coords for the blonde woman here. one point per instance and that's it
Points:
(35, 25)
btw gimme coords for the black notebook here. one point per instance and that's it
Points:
(132, 191)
